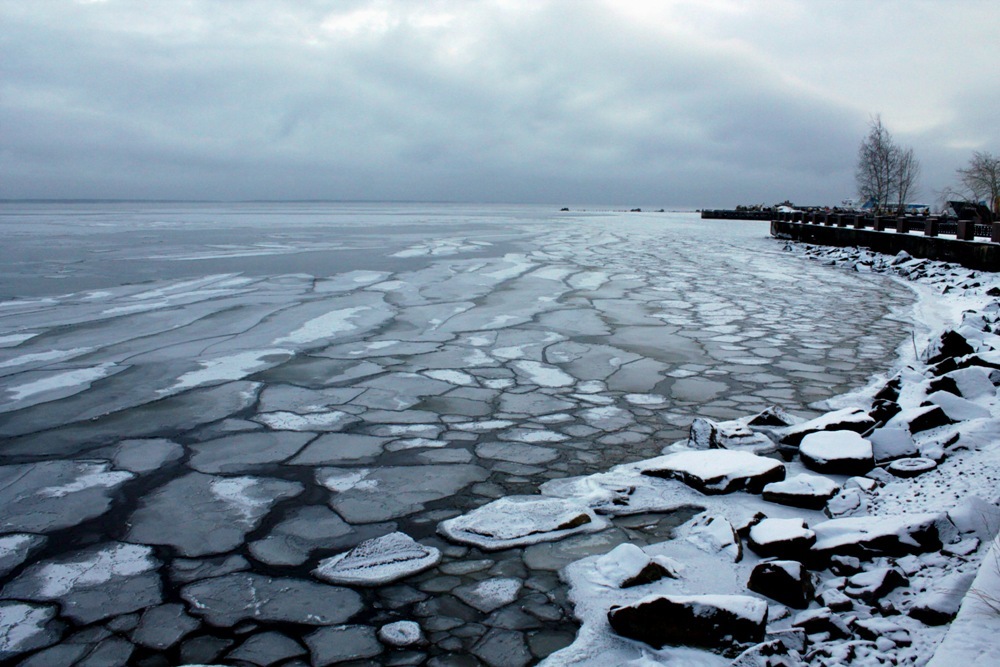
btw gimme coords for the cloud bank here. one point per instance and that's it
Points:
(563, 101)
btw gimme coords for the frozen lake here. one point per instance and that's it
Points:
(199, 403)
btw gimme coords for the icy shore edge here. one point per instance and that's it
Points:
(960, 494)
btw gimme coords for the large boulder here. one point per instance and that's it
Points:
(716, 471)
(837, 452)
(895, 535)
(848, 419)
(717, 622)
(784, 581)
(949, 344)
(872, 585)
(781, 538)
(803, 490)
(707, 434)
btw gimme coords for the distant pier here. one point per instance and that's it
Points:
(966, 242)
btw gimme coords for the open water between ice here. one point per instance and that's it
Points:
(200, 404)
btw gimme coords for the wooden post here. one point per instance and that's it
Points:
(966, 230)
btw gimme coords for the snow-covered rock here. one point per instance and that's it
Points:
(521, 520)
(716, 471)
(837, 452)
(889, 444)
(781, 538)
(846, 419)
(897, 535)
(627, 565)
(802, 490)
(401, 633)
(708, 621)
(785, 581)
(378, 561)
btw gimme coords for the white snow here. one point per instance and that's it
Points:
(544, 375)
(117, 560)
(825, 446)
(231, 367)
(324, 326)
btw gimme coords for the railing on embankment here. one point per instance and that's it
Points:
(964, 242)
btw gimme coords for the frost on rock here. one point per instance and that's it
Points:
(378, 561)
(716, 471)
(226, 601)
(50, 495)
(203, 514)
(94, 583)
(521, 520)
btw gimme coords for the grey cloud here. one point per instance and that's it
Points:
(557, 102)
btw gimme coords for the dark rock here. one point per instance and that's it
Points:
(806, 491)
(890, 390)
(772, 416)
(874, 584)
(883, 410)
(866, 537)
(717, 622)
(837, 452)
(950, 344)
(822, 620)
(781, 538)
(717, 471)
(940, 604)
(924, 418)
(845, 566)
(874, 628)
(943, 383)
(785, 581)
(835, 600)
(771, 653)
(848, 419)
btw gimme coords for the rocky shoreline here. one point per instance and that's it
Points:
(860, 531)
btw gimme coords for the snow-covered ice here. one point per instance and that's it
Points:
(247, 410)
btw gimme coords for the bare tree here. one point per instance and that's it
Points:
(982, 179)
(905, 177)
(876, 158)
(886, 173)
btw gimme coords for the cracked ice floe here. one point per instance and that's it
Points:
(521, 520)
(50, 495)
(227, 600)
(51, 355)
(452, 377)
(202, 514)
(378, 561)
(12, 340)
(26, 627)
(607, 418)
(231, 367)
(53, 385)
(334, 420)
(395, 491)
(94, 583)
(543, 375)
(530, 435)
(15, 549)
(325, 326)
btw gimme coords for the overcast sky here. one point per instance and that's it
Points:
(645, 102)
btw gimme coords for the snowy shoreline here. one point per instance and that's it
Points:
(864, 606)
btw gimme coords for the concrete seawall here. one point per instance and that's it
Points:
(981, 255)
